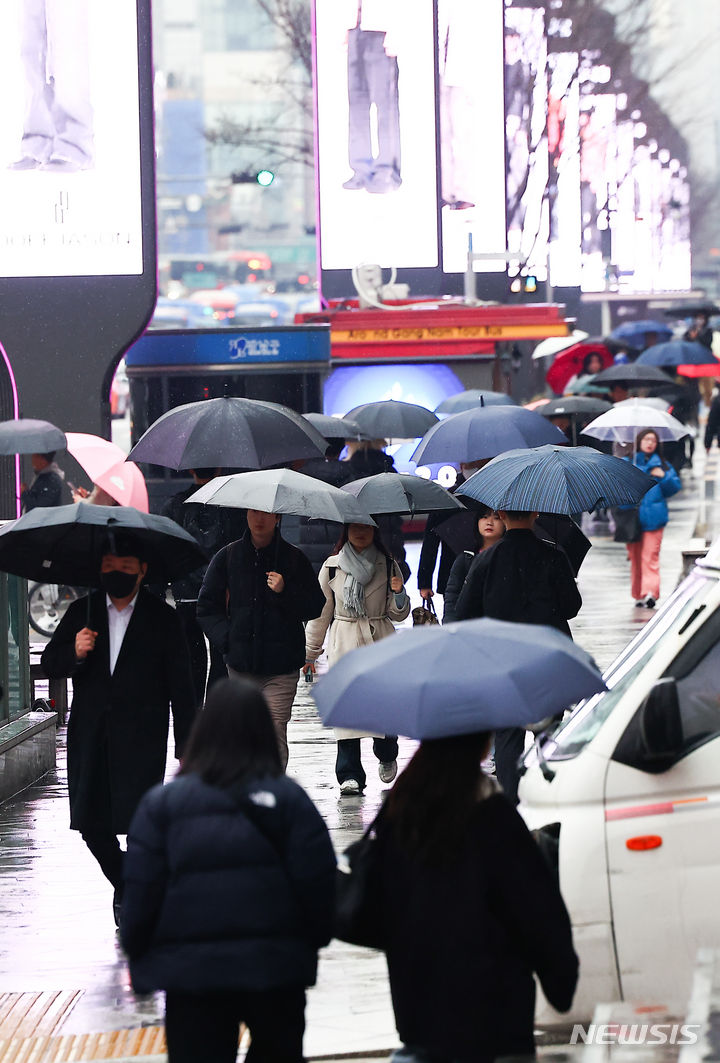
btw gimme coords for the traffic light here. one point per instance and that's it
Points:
(264, 178)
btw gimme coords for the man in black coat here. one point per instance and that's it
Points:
(526, 580)
(255, 596)
(127, 657)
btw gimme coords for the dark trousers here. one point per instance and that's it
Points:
(372, 78)
(348, 764)
(187, 615)
(101, 839)
(509, 745)
(205, 1028)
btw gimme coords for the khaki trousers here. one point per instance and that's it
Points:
(279, 692)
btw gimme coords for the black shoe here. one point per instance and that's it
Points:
(117, 908)
(354, 183)
(649, 602)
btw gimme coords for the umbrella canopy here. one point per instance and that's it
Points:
(484, 433)
(648, 400)
(93, 453)
(400, 685)
(334, 427)
(574, 406)
(283, 491)
(637, 331)
(390, 419)
(557, 480)
(677, 352)
(693, 310)
(571, 361)
(28, 436)
(471, 399)
(242, 433)
(555, 344)
(622, 423)
(126, 484)
(65, 544)
(459, 532)
(632, 374)
(391, 492)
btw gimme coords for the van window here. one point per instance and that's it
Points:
(589, 716)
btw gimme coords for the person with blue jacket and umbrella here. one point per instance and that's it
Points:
(644, 554)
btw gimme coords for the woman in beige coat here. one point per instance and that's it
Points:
(364, 594)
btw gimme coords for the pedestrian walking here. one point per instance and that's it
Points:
(125, 652)
(431, 543)
(212, 527)
(48, 487)
(229, 889)
(364, 598)
(457, 860)
(489, 530)
(644, 554)
(712, 428)
(254, 598)
(526, 580)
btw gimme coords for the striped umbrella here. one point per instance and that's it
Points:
(554, 479)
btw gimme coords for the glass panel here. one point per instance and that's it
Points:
(4, 648)
(18, 666)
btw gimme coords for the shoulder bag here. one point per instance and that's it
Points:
(627, 524)
(358, 916)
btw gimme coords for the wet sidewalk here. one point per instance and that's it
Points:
(59, 956)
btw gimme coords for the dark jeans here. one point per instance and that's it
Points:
(372, 78)
(205, 1028)
(509, 745)
(348, 764)
(187, 615)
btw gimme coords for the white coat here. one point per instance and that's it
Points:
(347, 632)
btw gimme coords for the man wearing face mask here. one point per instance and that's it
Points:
(126, 654)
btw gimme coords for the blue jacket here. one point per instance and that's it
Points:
(653, 507)
(216, 899)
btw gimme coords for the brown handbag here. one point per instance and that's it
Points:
(425, 613)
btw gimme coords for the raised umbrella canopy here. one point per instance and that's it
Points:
(390, 492)
(334, 427)
(484, 433)
(391, 419)
(28, 436)
(471, 399)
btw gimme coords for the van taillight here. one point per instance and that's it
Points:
(644, 842)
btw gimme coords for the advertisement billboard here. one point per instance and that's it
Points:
(564, 169)
(70, 181)
(376, 133)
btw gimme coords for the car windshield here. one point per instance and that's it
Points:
(588, 716)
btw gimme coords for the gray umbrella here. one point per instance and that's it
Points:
(471, 399)
(27, 436)
(390, 419)
(283, 491)
(240, 433)
(391, 492)
(335, 427)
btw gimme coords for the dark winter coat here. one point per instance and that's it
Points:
(712, 429)
(464, 938)
(118, 730)
(456, 580)
(521, 578)
(258, 631)
(47, 489)
(212, 527)
(653, 509)
(217, 898)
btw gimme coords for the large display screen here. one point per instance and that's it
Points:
(564, 169)
(472, 133)
(376, 133)
(70, 192)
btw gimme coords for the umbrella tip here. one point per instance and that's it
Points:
(482, 400)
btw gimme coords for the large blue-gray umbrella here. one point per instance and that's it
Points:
(676, 352)
(635, 332)
(471, 399)
(557, 480)
(418, 684)
(484, 433)
(392, 492)
(391, 419)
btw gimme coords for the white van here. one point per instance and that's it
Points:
(627, 796)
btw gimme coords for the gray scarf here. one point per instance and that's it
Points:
(359, 569)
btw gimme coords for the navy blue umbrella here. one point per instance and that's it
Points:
(676, 352)
(484, 433)
(557, 480)
(637, 331)
(471, 399)
(419, 684)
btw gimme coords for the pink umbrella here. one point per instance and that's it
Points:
(106, 465)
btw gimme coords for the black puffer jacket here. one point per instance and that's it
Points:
(218, 899)
(258, 631)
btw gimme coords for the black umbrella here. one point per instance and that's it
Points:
(460, 533)
(27, 436)
(572, 405)
(65, 544)
(693, 310)
(632, 374)
(335, 427)
(473, 397)
(391, 492)
(228, 432)
(390, 419)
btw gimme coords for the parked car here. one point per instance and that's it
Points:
(625, 796)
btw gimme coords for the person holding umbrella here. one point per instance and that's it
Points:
(254, 598)
(364, 598)
(126, 654)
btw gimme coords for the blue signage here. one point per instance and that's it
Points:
(266, 346)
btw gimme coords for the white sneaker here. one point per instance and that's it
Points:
(350, 786)
(387, 770)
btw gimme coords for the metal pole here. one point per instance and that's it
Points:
(469, 291)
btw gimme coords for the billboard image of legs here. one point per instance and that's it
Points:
(377, 160)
